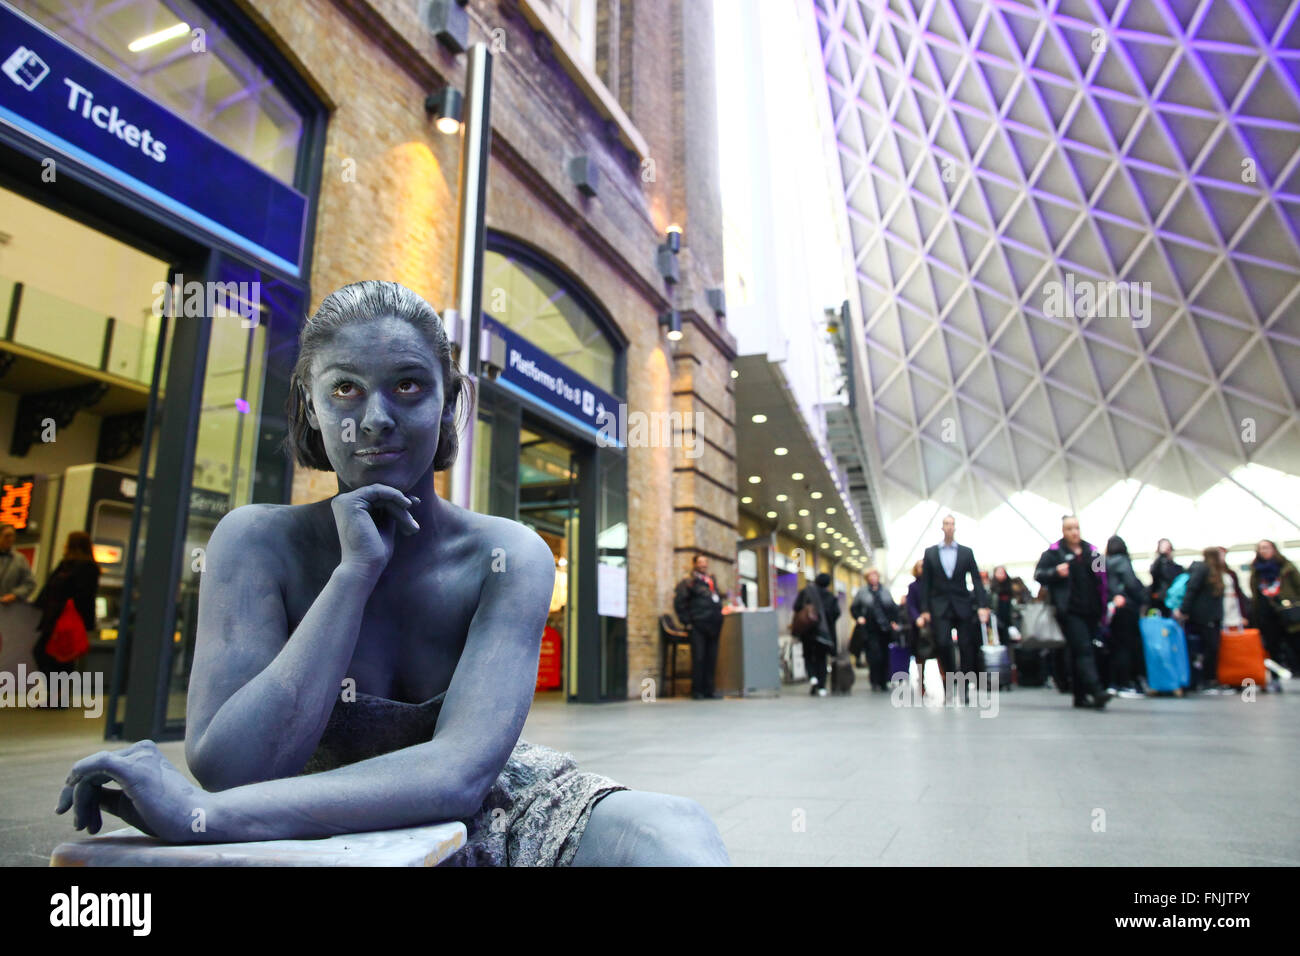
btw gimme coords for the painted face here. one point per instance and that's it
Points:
(376, 398)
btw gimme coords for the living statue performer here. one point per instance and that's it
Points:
(367, 662)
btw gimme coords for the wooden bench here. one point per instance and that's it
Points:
(411, 846)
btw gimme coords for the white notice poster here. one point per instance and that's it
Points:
(611, 590)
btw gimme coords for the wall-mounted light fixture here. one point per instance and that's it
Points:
(673, 320)
(666, 261)
(582, 173)
(449, 23)
(674, 234)
(717, 299)
(446, 108)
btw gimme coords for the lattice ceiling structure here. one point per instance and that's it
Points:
(991, 149)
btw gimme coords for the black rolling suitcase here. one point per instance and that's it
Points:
(842, 675)
(1031, 666)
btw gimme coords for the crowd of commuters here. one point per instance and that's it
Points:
(1097, 602)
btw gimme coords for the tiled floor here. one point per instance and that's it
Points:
(855, 780)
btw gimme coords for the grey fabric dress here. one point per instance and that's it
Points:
(535, 813)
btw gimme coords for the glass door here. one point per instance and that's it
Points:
(238, 458)
(220, 433)
(548, 505)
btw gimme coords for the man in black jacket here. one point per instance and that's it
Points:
(699, 607)
(947, 603)
(874, 610)
(1074, 573)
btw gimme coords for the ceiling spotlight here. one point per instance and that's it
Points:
(791, 526)
(838, 553)
(809, 537)
(803, 512)
(815, 495)
(746, 500)
(821, 524)
(830, 511)
(445, 106)
(771, 514)
(782, 497)
(735, 374)
(758, 419)
(780, 451)
(797, 476)
(755, 480)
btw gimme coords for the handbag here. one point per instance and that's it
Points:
(1289, 612)
(69, 640)
(1040, 628)
(806, 620)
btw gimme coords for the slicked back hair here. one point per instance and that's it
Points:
(364, 302)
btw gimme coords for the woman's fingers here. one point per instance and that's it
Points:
(405, 523)
(85, 801)
(372, 494)
(119, 804)
(388, 500)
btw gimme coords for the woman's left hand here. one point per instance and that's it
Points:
(154, 796)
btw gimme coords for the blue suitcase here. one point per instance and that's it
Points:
(900, 662)
(1165, 648)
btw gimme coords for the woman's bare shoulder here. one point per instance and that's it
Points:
(502, 540)
(257, 537)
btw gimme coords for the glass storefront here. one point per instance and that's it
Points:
(169, 414)
(539, 462)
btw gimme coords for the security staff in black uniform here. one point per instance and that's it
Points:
(698, 605)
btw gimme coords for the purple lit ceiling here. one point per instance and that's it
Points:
(991, 150)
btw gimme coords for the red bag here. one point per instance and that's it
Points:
(69, 640)
(1241, 656)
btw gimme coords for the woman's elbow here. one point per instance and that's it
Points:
(218, 769)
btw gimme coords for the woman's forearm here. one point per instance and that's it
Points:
(270, 727)
(414, 786)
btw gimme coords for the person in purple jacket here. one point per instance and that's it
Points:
(1074, 573)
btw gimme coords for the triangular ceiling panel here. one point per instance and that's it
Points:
(1160, 172)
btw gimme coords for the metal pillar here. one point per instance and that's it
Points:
(476, 146)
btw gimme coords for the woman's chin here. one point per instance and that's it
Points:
(396, 474)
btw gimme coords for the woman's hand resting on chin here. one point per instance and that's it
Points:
(368, 519)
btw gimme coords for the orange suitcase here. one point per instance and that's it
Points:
(1241, 658)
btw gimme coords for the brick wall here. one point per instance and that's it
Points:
(387, 209)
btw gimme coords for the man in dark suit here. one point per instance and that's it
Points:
(947, 603)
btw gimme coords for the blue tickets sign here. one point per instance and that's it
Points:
(76, 108)
(533, 374)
